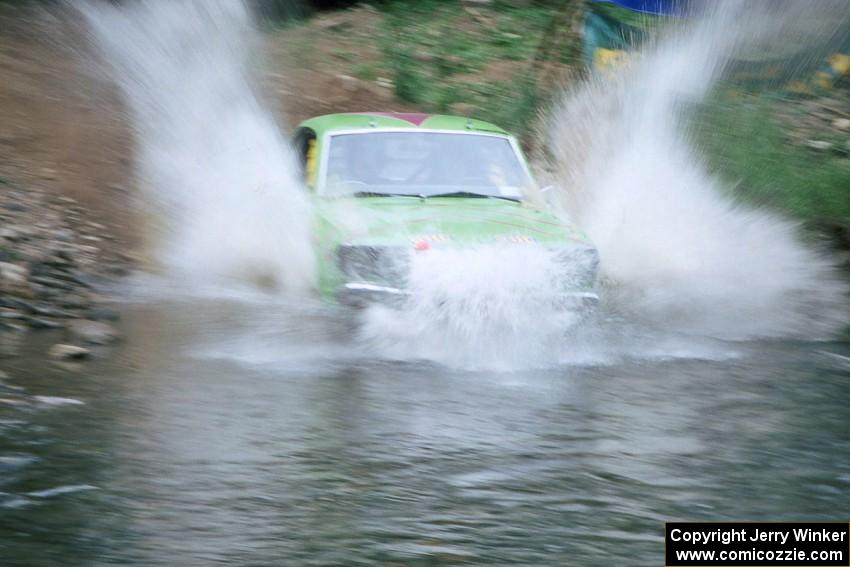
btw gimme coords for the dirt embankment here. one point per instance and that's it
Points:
(64, 182)
(61, 132)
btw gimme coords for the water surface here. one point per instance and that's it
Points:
(198, 443)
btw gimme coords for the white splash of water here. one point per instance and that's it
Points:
(676, 251)
(484, 307)
(219, 185)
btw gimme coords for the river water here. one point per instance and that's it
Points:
(196, 442)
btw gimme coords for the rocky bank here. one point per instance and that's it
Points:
(55, 266)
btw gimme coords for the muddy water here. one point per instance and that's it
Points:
(197, 442)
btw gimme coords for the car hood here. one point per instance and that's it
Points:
(443, 221)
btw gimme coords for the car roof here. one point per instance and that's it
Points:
(413, 120)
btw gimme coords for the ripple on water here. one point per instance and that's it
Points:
(57, 401)
(9, 388)
(9, 463)
(60, 490)
(12, 501)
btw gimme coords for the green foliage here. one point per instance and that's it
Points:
(443, 57)
(409, 85)
(282, 13)
(365, 71)
(748, 146)
(513, 106)
(346, 56)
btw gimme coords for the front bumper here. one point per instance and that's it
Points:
(362, 294)
(578, 301)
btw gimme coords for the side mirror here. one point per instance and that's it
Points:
(550, 197)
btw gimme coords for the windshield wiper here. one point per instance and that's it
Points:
(380, 194)
(473, 195)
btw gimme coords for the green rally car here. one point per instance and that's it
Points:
(389, 186)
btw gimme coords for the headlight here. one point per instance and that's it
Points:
(386, 264)
(578, 266)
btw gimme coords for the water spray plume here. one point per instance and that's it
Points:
(217, 177)
(676, 250)
(485, 307)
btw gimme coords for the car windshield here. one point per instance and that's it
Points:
(424, 164)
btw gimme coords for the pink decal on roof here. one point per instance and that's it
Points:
(415, 118)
